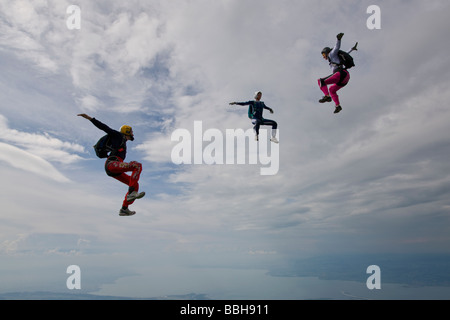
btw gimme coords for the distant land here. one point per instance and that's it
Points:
(43, 295)
(407, 269)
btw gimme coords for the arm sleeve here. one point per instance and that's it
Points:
(334, 53)
(266, 107)
(337, 47)
(244, 103)
(102, 126)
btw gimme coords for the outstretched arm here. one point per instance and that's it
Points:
(355, 48)
(337, 47)
(84, 115)
(241, 103)
(98, 124)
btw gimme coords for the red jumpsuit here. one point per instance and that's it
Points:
(116, 168)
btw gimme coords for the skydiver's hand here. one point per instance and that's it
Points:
(271, 110)
(339, 36)
(232, 103)
(84, 115)
(355, 47)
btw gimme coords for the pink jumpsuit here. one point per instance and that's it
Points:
(337, 81)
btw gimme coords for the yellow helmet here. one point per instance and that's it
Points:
(128, 131)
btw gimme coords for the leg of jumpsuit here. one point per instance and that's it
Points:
(268, 122)
(334, 79)
(256, 124)
(130, 180)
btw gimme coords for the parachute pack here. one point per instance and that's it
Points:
(346, 59)
(103, 147)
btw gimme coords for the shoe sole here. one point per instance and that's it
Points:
(325, 100)
(141, 195)
(127, 214)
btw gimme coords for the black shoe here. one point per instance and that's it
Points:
(338, 109)
(325, 99)
(126, 212)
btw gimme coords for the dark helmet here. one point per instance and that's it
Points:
(326, 50)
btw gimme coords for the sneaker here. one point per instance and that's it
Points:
(325, 99)
(274, 140)
(134, 195)
(126, 212)
(338, 109)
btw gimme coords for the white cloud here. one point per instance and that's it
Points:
(42, 145)
(23, 160)
(90, 103)
(158, 149)
(104, 58)
(325, 158)
(262, 252)
(11, 246)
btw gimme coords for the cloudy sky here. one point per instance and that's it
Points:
(373, 179)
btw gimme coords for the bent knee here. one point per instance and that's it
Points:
(334, 89)
(321, 82)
